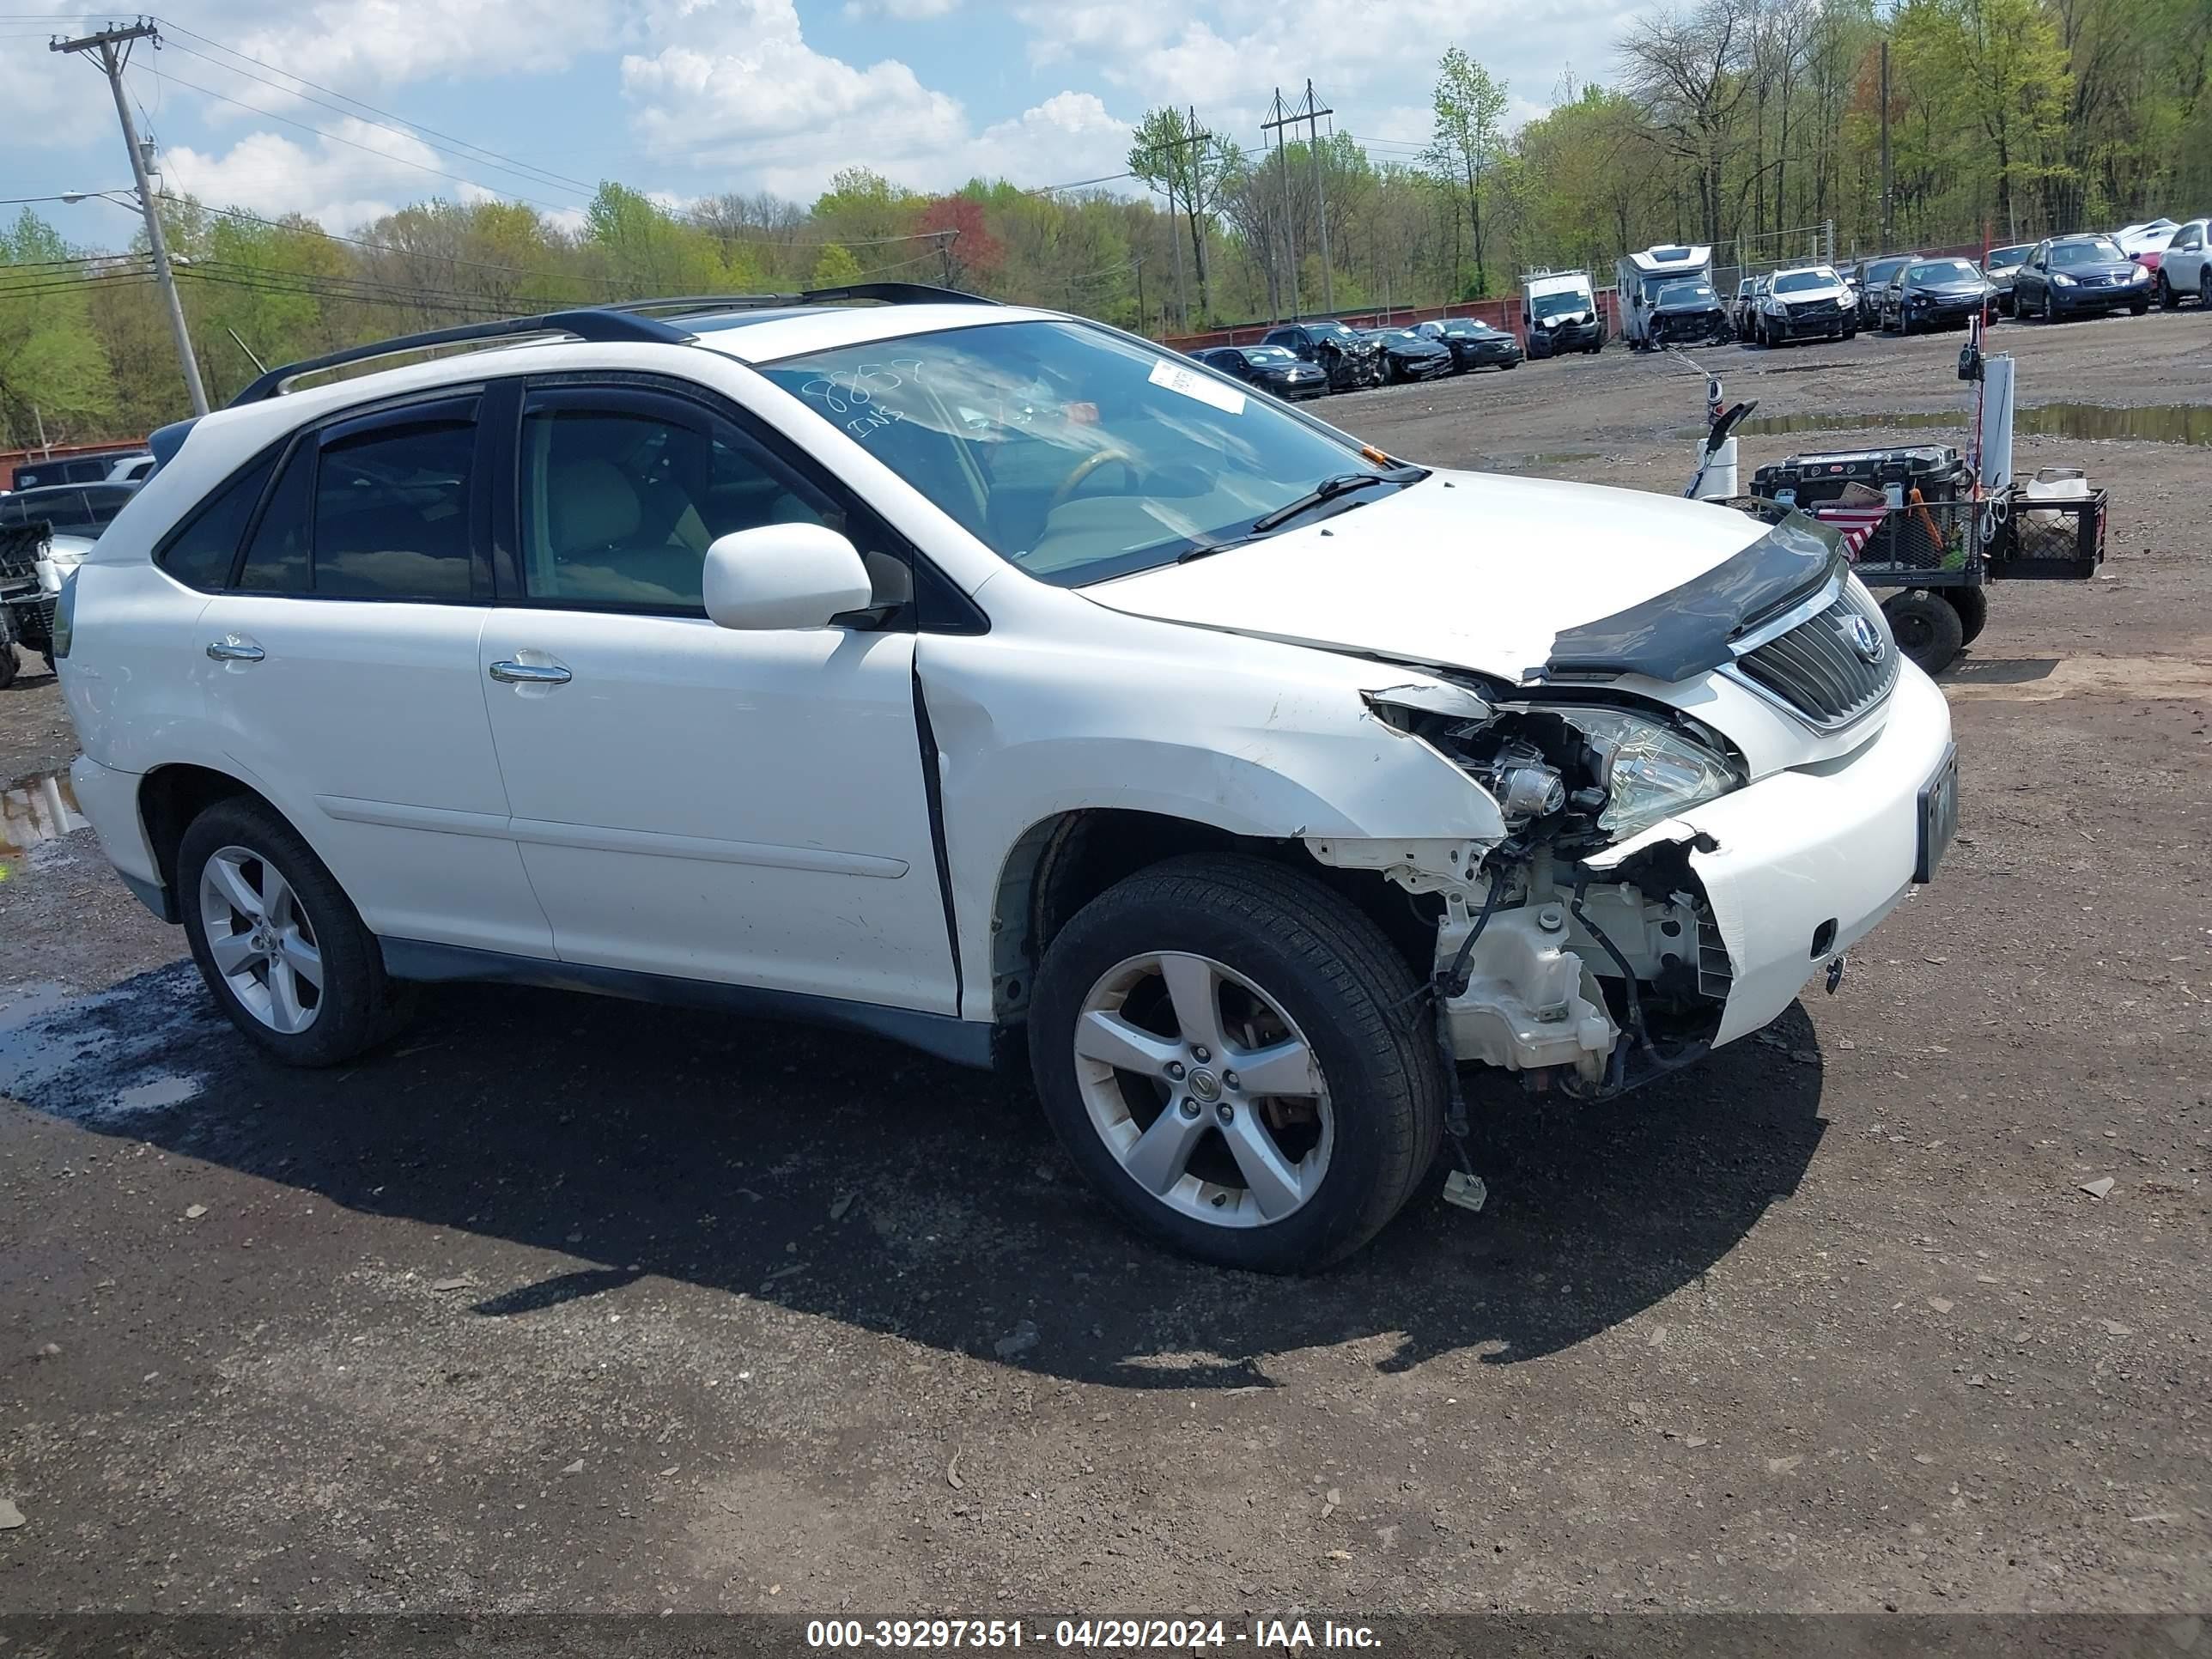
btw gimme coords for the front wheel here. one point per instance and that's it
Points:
(9, 667)
(2167, 299)
(1928, 628)
(277, 941)
(1972, 604)
(2050, 309)
(2139, 309)
(1230, 1052)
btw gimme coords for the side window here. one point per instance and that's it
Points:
(200, 552)
(391, 512)
(621, 494)
(276, 560)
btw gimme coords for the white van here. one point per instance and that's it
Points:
(1559, 313)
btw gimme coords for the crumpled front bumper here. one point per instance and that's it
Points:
(1801, 850)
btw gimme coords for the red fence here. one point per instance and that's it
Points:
(12, 458)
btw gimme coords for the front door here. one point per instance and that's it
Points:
(341, 667)
(691, 799)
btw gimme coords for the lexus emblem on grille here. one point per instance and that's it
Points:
(1865, 640)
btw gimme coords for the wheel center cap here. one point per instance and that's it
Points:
(1205, 1085)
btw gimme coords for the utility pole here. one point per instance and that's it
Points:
(114, 46)
(1310, 112)
(1885, 143)
(1280, 118)
(1194, 141)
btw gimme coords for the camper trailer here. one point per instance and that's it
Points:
(1667, 298)
(1559, 313)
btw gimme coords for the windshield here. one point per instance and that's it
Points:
(1678, 291)
(1551, 305)
(1883, 270)
(1071, 451)
(2097, 252)
(1331, 332)
(1804, 282)
(1934, 273)
(1267, 356)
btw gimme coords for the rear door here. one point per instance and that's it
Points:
(691, 800)
(341, 665)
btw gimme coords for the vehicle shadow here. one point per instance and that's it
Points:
(856, 1180)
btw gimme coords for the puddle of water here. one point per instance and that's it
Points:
(34, 810)
(103, 1058)
(2162, 424)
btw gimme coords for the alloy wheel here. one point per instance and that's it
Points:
(1204, 1089)
(260, 939)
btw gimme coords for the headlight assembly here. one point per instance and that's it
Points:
(1650, 770)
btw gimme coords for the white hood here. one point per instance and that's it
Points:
(1464, 569)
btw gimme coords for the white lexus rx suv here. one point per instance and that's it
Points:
(994, 681)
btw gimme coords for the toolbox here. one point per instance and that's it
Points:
(1936, 471)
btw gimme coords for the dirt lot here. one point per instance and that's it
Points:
(568, 1304)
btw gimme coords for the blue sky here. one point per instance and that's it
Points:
(694, 97)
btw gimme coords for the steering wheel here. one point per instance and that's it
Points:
(1081, 472)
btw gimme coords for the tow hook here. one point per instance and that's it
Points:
(1836, 966)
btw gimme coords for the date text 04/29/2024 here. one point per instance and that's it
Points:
(1088, 1635)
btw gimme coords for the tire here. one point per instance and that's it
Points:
(2050, 308)
(2204, 285)
(1320, 969)
(8, 666)
(1928, 630)
(2139, 310)
(356, 1005)
(2167, 299)
(1972, 604)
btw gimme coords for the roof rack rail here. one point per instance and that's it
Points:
(887, 293)
(598, 324)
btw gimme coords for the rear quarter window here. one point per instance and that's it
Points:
(200, 552)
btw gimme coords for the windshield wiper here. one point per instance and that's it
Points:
(1320, 496)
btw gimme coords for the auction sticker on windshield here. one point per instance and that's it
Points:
(1192, 384)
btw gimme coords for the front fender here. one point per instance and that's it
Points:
(1247, 736)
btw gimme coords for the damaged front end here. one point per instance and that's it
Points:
(1581, 946)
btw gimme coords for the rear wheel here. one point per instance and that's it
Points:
(1972, 604)
(1928, 630)
(279, 944)
(9, 667)
(1227, 1050)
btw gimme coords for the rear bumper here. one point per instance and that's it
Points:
(1800, 850)
(108, 800)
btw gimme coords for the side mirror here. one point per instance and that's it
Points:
(783, 575)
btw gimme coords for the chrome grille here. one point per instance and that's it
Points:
(1818, 669)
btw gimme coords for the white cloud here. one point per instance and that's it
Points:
(910, 11)
(47, 104)
(337, 186)
(736, 88)
(361, 45)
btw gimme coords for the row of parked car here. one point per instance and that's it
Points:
(1310, 359)
(2061, 277)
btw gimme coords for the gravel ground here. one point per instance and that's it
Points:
(565, 1303)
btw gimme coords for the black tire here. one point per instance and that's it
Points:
(2050, 308)
(2204, 286)
(359, 1006)
(1972, 604)
(1929, 630)
(2167, 299)
(2140, 309)
(1334, 975)
(9, 667)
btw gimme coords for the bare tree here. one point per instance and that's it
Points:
(1688, 72)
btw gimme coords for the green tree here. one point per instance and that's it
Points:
(1166, 153)
(1468, 105)
(835, 266)
(53, 367)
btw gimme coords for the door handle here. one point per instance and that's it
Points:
(234, 649)
(526, 674)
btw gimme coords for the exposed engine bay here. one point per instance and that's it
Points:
(1557, 955)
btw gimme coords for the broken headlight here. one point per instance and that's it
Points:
(1650, 770)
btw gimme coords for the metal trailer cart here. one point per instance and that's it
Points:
(1933, 527)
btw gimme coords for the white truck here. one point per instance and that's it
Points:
(1559, 313)
(1668, 299)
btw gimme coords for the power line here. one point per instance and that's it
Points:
(520, 170)
(370, 149)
